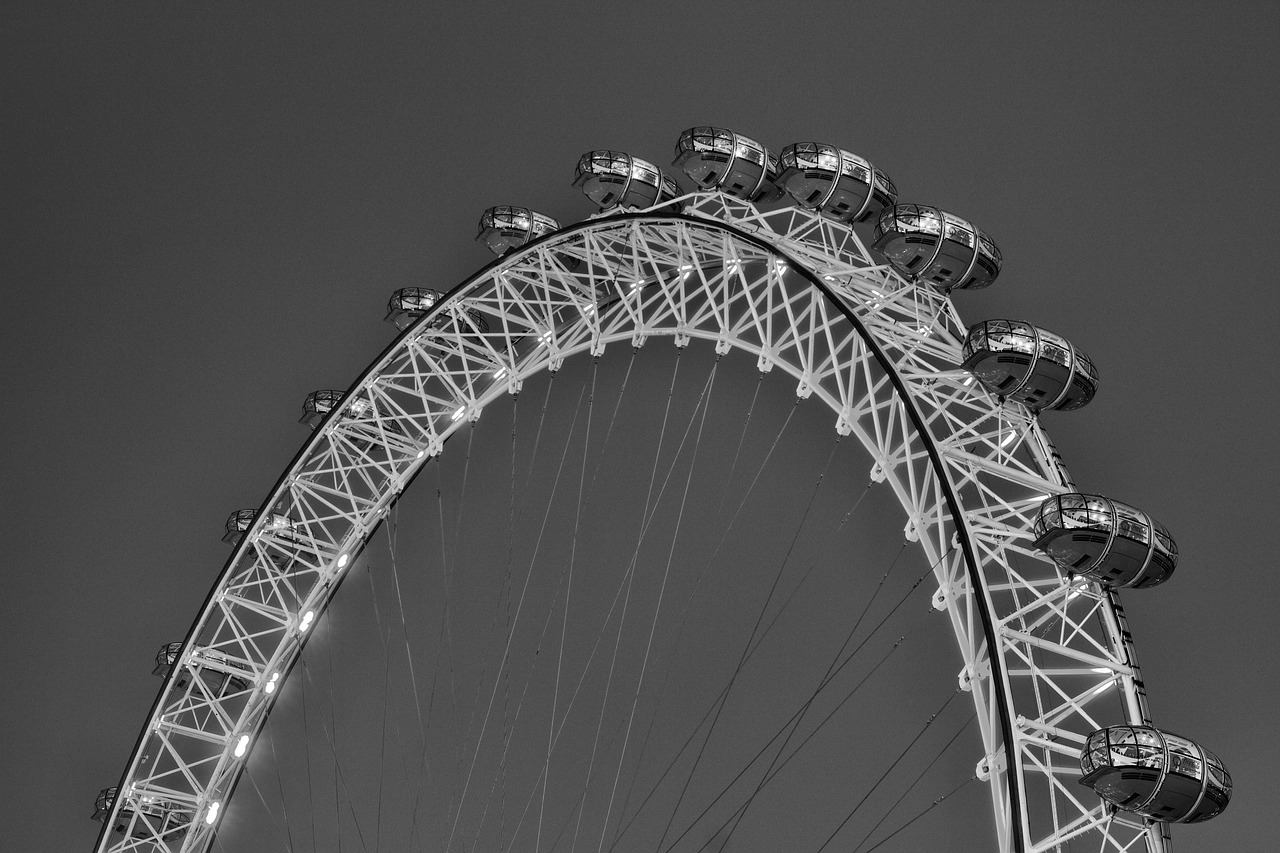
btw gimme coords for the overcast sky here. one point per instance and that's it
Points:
(207, 205)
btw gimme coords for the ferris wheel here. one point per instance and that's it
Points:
(764, 258)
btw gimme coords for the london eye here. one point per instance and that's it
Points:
(806, 271)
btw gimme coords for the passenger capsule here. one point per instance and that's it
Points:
(834, 181)
(1029, 365)
(283, 548)
(408, 304)
(504, 229)
(1155, 774)
(1111, 542)
(216, 670)
(166, 658)
(930, 245)
(616, 179)
(318, 405)
(162, 817)
(718, 159)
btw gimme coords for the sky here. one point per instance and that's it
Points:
(206, 208)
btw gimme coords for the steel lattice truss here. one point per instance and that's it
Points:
(1047, 658)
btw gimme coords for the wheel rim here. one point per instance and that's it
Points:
(801, 294)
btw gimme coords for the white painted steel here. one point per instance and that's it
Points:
(1048, 658)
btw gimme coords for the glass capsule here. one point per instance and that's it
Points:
(159, 817)
(1029, 365)
(166, 658)
(504, 229)
(408, 304)
(718, 159)
(616, 179)
(836, 182)
(1156, 774)
(940, 249)
(1111, 542)
(318, 405)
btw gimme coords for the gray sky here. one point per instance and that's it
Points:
(207, 208)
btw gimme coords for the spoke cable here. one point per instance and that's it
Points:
(827, 680)
(927, 809)
(283, 839)
(510, 634)
(783, 608)
(901, 755)
(284, 811)
(424, 768)
(564, 623)
(755, 629)
(653, 625)
(629, 578)
(384, 640)
(761, 751)
(963, 728)
(341, 788)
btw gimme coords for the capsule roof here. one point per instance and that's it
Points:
(1111, 542)
(719, 159)
(836, 182)
(616, 179)
(504, 228)
(1156, 774)
(1029, 365)
(929, 245)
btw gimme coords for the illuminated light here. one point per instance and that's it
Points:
(242, 746)
(1100, 669)
(685, 267)
(421, 453)
(877, 293)
(968, 382)
(270, 686)
(462, 410)
(544, 339)
(212, 815)
(499, 373)
(342, 560)
(1008, 438)
(306, 621)
(1100, 688)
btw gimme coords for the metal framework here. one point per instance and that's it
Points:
(1047, 657)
